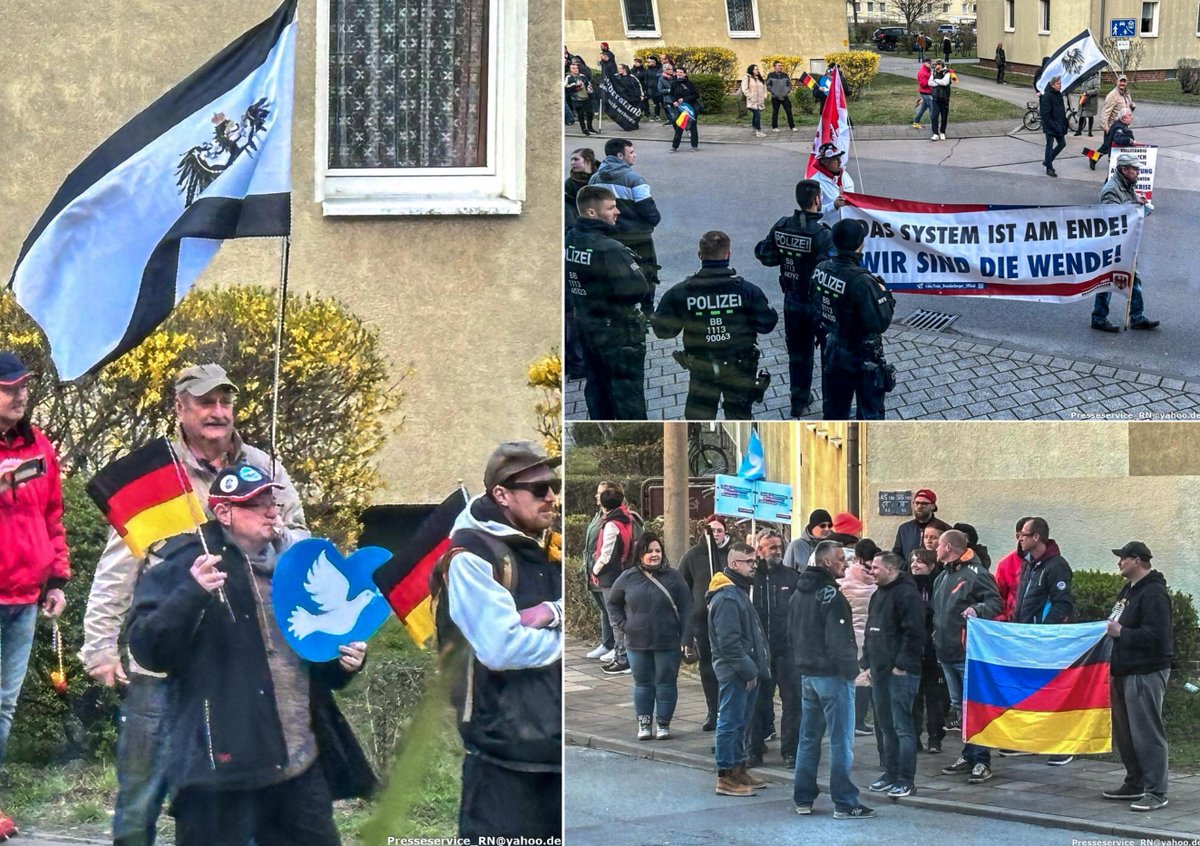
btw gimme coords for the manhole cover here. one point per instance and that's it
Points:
(929, 320)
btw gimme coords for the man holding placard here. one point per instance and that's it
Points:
(1118, 190)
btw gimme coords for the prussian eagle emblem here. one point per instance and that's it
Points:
(1072, 60)
(205, 162)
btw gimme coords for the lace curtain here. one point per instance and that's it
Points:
(407, 83)
(741, 15)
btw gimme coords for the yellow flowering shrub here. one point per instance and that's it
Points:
(792, 65)
(545, 374)
(858, 68)
(715, 60)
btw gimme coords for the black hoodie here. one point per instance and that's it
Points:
(821, 627)
(895, 635)
(698, 566)
(1146, 644)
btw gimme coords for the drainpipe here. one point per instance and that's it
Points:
(852, 469)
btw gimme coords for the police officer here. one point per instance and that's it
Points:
(721, 316)
(855, 310)
(795, 244)
(605, 284)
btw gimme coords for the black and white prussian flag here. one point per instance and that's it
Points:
(134, 225)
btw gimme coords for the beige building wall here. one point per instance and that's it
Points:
(810, 29)
(1177, 30)
(1097, 484)
(466, 302)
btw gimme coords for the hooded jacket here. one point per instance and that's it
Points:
(961, 584)
(800, 550)
(1008, 573)
(698, 566)
(774, 586)
(33, 543)
(1044, 589)
(1147, 643)
(858, 587)
(821, 627)
(895, 636)
(739, 648)
(639, 212)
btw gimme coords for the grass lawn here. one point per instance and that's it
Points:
(890, 99)
(1158, 91)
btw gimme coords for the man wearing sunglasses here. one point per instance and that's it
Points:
(820, 524)
(500, 621)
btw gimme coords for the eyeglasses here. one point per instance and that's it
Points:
(824, 525)
(537, 489)
(262, 506)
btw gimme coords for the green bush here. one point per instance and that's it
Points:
(1187, 71)
(574, 530)
(582, 617)
(804, 99)
(1095, 592)
(712, 90)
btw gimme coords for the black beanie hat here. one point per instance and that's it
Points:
(818, 516)
(849, 234)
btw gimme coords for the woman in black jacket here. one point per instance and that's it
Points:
(683, 91)
(932, 698)
(652, 605)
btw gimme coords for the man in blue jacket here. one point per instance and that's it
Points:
(740, 661)
(638, 211)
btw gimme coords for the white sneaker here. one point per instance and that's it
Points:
(775, 130)
(607, 656)
(933, 137)
(598, 651)
(795, 129)
(943, 136)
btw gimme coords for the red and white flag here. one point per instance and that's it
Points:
(834, 127)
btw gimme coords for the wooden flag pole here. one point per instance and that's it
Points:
(285, 251)
(186, 483)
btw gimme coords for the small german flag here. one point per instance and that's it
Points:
(147, 496)
(953, 75)
(1094, 155)
(687, 115)
(807, 81)
(404, 578)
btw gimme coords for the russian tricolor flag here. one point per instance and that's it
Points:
(1038, 688)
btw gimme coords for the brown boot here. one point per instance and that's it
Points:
(728, 785)
(743, 776)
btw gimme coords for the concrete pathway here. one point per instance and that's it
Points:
(599, 714)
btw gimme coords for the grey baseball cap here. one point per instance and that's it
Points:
(199, 379)
(1128, 160)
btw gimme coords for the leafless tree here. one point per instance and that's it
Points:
(912, 11)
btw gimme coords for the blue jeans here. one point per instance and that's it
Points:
(756, 119)
(926, 106)
(606, 631)
(894, 696)
(827, 701)
(1136, 307)
(17, 623)
(145, 727)
(954, 686)
(734, 709)
(655, 691)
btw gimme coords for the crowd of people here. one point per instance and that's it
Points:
(837, 625)
(218, 714)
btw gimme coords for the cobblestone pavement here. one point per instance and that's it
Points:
(599, 714)
(948, 376)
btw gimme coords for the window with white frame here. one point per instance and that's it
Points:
(1044, 16)
(870, 5)
(421, 106)
(641, 18)
(1010, 16)
(1149, 23)
(743, 18)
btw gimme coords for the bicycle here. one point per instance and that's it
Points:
(1032, 119)
(705, 459)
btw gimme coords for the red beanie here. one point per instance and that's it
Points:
(926, 493)
(603, 45)
(845, 523)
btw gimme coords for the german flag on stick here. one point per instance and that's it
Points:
(1094, 155)
(404, 579)
(147, 496)
(807, 81)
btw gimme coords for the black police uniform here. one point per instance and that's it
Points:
(795, 245)
(855, 310)
(721, 316)
(605, 284)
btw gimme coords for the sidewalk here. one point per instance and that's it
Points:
(968, 379)
(599, 714)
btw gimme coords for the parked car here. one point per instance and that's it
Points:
(947, 29)
(886, 38)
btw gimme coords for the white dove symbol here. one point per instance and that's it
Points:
(329, 589)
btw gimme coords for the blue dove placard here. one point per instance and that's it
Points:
(323, 600)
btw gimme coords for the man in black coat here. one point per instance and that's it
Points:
(1054, 123)
(893, 647)
(698, 566)
(910, 534)
(774, 585)
(258, 750)
(1143, 646)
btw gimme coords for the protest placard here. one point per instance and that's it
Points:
(1147, 155)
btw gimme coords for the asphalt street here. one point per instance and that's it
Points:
(616, 800)
(744, 188)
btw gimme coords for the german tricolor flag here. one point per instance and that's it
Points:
(1094, 155)
(807, 81)
(404, 578)
(147, 496)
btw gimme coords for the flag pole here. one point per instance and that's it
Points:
(284, 253)
(201, 518)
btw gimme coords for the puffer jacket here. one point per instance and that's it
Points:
(963, 583)
(755, 91)
(858, 587)
(33, 543)
(739, 648)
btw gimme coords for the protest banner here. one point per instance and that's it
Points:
(734, 497)
(1147, 155)
(624, 113)
(1050, 254)
(770, 502)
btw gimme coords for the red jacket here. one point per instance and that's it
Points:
(33, 544)
(923, 86)
(1008, 572)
